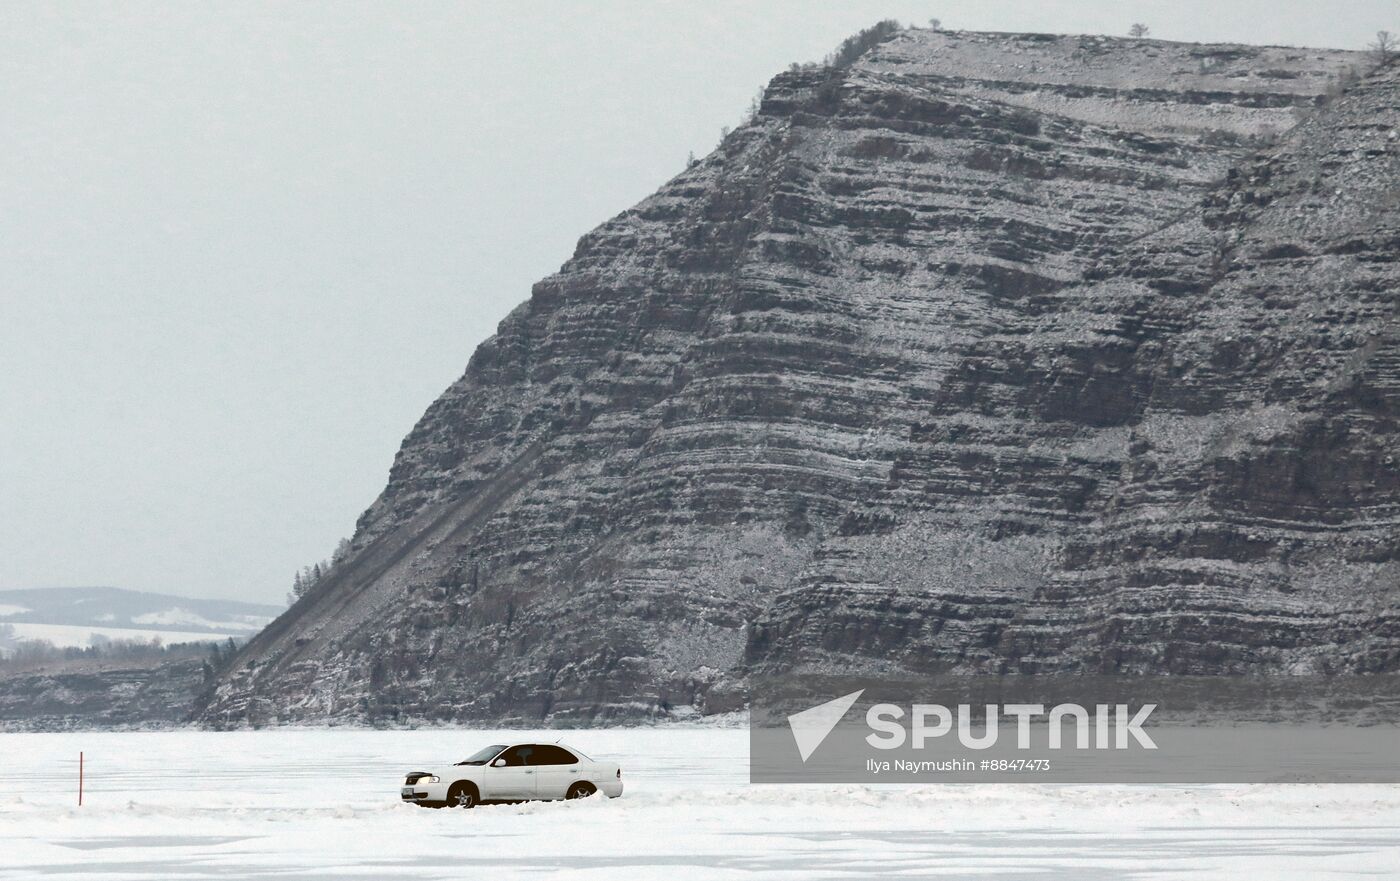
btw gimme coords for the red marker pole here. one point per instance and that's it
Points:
(80, 778)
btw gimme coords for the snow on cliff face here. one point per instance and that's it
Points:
(992, 352)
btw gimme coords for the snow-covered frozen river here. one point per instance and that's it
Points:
(304, 804)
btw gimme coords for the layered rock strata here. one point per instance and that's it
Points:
(990, 352)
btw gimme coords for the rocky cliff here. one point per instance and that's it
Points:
(62, 696)
(988, 352)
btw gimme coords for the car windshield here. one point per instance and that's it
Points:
(485, 755)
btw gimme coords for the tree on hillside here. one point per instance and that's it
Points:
(1383, 49)
(856, 45)
(309, 576)
(755, 104)
(1139, 30)
(342, 550)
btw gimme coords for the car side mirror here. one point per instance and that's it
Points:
(499, 763)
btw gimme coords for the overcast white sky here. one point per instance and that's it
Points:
(244, 245)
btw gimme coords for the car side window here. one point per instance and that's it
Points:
(549, 754)
(518, 756)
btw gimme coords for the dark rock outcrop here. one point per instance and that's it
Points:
(990, 352)
(106, 695)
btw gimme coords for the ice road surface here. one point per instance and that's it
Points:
(308, 804)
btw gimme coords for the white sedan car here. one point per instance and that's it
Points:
(506, 772)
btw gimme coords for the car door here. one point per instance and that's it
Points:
(515, 778)
(556, 770)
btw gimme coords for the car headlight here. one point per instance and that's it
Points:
(428, 779)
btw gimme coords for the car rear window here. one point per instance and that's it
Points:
(549, 754)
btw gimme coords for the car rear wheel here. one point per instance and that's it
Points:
(582, 789)
(462, 795)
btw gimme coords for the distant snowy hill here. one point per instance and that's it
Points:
(72, 616)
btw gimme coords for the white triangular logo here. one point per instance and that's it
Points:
(810, 727)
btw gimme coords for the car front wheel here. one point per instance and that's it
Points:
(462, 795)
